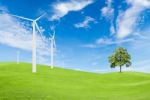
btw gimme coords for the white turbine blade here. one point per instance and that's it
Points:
(22, 17)
(51, 36)
(39, 17)
(54, 35)
(39, 30)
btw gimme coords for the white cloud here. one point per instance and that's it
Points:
(89, 46)
(140, 50)
(61, 9)
(15, 34)
(142, 66)
(112, 29)
(107, 41)
(126, 21)
(108, 12)
(85, 23)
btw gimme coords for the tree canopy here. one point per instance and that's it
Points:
(120, 57)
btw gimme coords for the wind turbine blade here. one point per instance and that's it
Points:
(22, 17)
(51, 36)
(39, 17)
(39, 30)
(53, 29)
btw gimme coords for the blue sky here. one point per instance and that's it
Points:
(87, 32)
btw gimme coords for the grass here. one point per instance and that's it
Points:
(18, 83)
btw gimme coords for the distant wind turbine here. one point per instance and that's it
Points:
(34, 27)
(52, 47)
(18, 57)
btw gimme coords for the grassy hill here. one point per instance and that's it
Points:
(18, 83)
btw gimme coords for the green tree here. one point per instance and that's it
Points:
(120, 57)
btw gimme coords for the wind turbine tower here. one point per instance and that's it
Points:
(18, 57)
(52, 48)
(34, 27)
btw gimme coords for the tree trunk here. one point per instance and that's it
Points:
(120, 69)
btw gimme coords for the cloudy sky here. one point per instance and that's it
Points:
(87, 32)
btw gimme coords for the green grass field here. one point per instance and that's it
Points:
(18, 83)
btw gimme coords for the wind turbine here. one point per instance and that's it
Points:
(34, 27)
(52, 47)
(18, 57)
